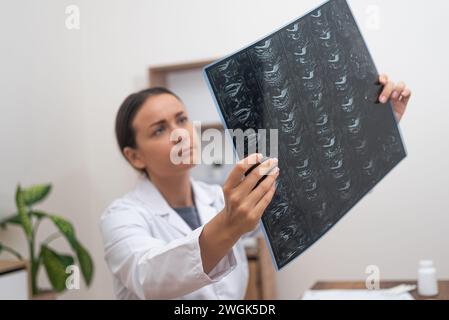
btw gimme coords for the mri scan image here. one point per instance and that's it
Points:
(316, 83)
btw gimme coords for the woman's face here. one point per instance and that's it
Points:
(165, 138)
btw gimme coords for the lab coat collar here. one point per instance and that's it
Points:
(147, 192)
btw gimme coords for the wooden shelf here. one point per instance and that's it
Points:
(7, 266)
(158, 74)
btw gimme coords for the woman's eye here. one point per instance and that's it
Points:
(182, 119)
(158, 131)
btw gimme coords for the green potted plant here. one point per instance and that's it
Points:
(42, 254)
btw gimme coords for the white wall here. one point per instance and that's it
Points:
(60, 90)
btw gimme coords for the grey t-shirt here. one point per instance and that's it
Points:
(190, 216)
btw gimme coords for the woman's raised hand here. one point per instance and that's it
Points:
(245, 199)
(245, 202)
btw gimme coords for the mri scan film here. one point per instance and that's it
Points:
(316, 83)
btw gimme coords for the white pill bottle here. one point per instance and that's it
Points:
(427, 279)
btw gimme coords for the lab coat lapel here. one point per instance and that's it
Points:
(156, 203)
(204, 201)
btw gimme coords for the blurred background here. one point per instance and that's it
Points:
(61, 85)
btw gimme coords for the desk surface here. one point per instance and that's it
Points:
(443, 287)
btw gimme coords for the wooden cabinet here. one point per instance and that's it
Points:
(262, 275)
(13, 280)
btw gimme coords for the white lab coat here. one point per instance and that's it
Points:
(153, 254)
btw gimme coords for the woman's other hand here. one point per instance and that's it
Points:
(398, 94)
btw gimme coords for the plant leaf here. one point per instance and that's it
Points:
(66, 228)
(55, 265)
(35, 193)
(23, 214)
(13, 219)
(39, 214)
(86, 264)
(84, 258)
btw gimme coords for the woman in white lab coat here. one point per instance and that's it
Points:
(176, 238)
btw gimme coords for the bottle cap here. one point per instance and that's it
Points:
(425, 263)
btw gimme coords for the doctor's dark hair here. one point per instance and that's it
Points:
(124, 131)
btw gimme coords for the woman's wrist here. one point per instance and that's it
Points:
(230, 230)
(216, 239)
